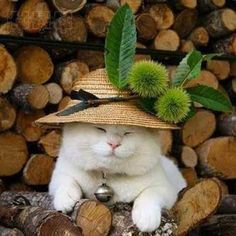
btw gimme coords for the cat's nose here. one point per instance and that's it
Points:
(114, 145)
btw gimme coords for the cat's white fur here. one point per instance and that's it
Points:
(135, 170)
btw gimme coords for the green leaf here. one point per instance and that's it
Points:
(189, 68)
(120, 46)
(147, 104)
(210, 98)
(209, 56)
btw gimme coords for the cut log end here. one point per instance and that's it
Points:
(189, 157)
(220, 68)
(55, 92)
(11, 28)
(199, 37)
(71, 6)
(134, 5)
(6, 9)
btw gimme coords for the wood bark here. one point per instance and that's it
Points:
(210, 155)
(186, 46)
(34, 221)
(196, 204)
(210, 5)
(198, 128)
(220, 22)
(199, 36)
(190, 4)
(10, 232)
(69, 28)
(26, 127)
(220, 68)
(167, 40)
(146, 26)
(33, 15)
(134, 5)
(8, 70)
(38, 169)
(190, 175)
(163, 16)
(226, 45)
(30, 97)
(7, 115)
(19, 186)
(55, 92)
(226, 124)
(51, 143)
(66, 73)
(185, 22)
(6, 9)
(34, 65)
(69, 6)
(98, 19)
(11, 28)
(13, 155)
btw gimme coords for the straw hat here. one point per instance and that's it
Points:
(115, 113)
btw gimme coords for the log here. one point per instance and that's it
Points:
(190, 4)
(30, 96)
(226, 45)
(66, 73)
(219, 224)
(210, 5)
(8, 70)
(166, 139)
(98, 19)
(33, 15)
(140, 57)
(163, 16)
(94, 59)
(63, 103)
(38, 169)
(6, 9)
(11, 28)
(221, 69)
(226, 124)
(167, 40)
(220, 22)
(50, 143)
(185, 22)
(34, 221)
(7, 115)
(205, 78)
(34, 65)
(26, 127)
(13, 155)
(233, 68)
(10, 232)
(228, 205)
(199, 36)
(217, 157)
(186, 46)
(146, 26)
(55, 92)
(188, 157)
(196, 204)
(19, 186)
(198, 128)
(68, 7)
(69, 28)
(134, 5)
(113, 4)
(190, 175)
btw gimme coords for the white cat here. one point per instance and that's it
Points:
(132, 160)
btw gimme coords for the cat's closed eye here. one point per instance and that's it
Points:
(101, 129)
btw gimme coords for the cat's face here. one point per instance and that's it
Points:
(114, 148)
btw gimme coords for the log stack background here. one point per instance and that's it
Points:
(37, 80)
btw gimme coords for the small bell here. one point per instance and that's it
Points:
(104, 193)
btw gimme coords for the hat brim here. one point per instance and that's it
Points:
(120, 113)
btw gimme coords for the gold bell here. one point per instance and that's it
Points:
(104, 193)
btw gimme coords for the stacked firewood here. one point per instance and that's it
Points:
(35, 81)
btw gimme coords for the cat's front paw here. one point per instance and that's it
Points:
(146, 218)
(66, 197)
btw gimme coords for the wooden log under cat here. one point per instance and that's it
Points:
(8, 70)
(50, 143)
(163, 15)
(33, 15)
(55, 92)
(217, 157)
(134, 5)
(10, 231)
(6, 9)
(226, 124)
(98, 19)
(26, 127)
(196, 204)
(167, 40)
(210, 5)
(198, 128)
(13, 155)
(226, 45)
(221, 69)
(38, 169)
(34, 65)
(220, 22)
(199, 36)
(34, 221)
(19, 186)
(7, 114)
(11, 28)
(30, 96)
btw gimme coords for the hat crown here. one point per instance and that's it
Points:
(97, 83)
